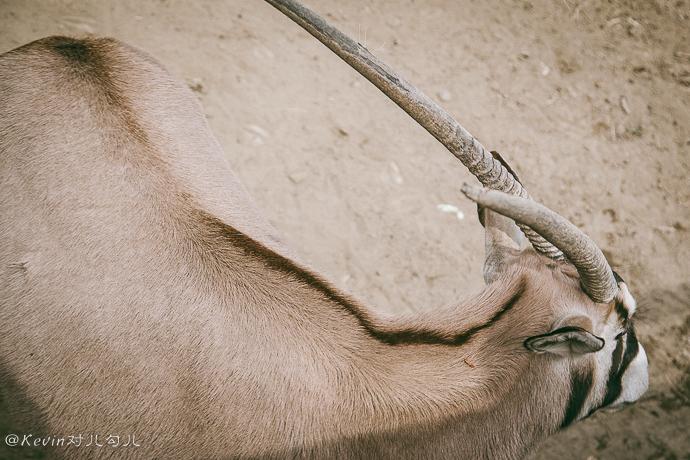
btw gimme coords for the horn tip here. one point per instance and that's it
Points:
(471, 191)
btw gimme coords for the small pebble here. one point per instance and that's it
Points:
(259, 134)
(297, 176)
(545, 70)
(197, 85)
(397, 178)
(451, 209)
(444, 95)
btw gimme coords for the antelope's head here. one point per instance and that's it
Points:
(589, 306)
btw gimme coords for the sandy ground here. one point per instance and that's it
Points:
(587, 99)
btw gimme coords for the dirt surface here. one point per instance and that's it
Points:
(587, 99)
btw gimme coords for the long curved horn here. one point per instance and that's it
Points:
(490, 172)
(595, 273)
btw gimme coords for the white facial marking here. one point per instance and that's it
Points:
(635, 379)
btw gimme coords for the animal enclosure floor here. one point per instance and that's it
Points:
(588, 100)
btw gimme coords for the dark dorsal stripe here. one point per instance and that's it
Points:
(218, 230)
(581, 382)
(421, 336)
(614, 385)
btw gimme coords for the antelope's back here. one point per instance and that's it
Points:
(76, 108)
(104, 159)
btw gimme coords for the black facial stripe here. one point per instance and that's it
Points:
(616, 359)
(617, 277)
(581, 382)
(614, 385)
(622, 313)
(621, 310)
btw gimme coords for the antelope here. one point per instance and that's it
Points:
(143, 294)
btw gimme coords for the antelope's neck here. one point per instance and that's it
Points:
(436, 402)
(334, 376)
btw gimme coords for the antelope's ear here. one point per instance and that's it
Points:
(567, 340)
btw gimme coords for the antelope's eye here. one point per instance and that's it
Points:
(621, 334)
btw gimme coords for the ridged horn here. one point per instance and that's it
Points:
(596, 275)
(490, 172)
